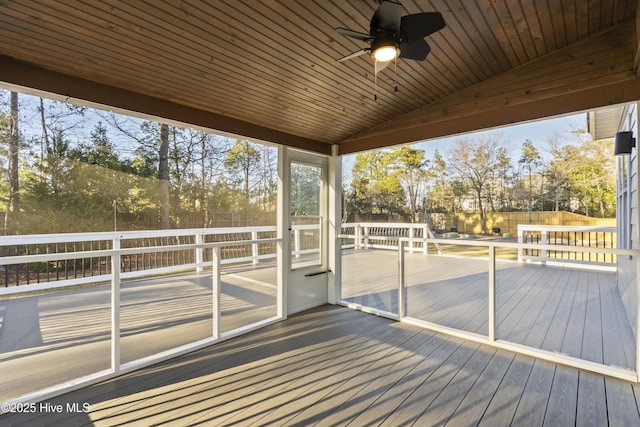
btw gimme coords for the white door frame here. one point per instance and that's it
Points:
(306, 287)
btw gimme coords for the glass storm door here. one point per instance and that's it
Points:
(307, 281)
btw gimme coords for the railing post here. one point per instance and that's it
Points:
(254, 247)
(425, 235)
(215, 267)
(115, 305)
(199, 250)
(366, 237)
(543, 252)
(401, 288)
(520, 242)
(492, 293)
(411, 235)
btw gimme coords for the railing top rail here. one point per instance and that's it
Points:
(386, 224)
(540, 227)
(124, 235)
(499, 244)
(8, 260)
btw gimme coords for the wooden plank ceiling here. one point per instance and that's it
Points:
(266, 69)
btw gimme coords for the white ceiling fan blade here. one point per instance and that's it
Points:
(354, 54)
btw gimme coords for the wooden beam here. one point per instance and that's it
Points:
(68, 87)
(591, 73)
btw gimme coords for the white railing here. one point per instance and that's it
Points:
(182, 250)
(60, 260)
(491, 338)
(560, 245)
(386, 235)
(56, 260)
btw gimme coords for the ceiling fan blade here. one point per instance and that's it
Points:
(354, 34)
(418, 50)
(420, 25)
(387, 18)
(354, 54)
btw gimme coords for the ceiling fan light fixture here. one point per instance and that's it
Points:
(386, 53)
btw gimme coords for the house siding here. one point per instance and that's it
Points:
(627, 217)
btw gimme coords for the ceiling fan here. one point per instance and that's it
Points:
(392, 35)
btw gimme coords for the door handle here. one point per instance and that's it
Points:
(317, 273)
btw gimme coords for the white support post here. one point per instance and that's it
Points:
(543, 252)
(401, 287)
(115, 306)
(425, 236)
(358, 239)
(520, 242)
(411, 236)
(215, 267)
(492, 293)
(334, 263)
(283, 248)
(366, 237)
(199, 257)
(254, 247)
(282, 280)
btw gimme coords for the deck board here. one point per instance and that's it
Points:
(504, 404)
(451, 396)
(533, 402)
(621, 405)
(592, 402)
(562, 404)
(573, 311)
(335, 366)
(428, 390)
(480, 395)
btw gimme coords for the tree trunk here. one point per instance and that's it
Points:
(163, 176)
(530, 197)
(44, 144)
(13, 208)
(483, 219)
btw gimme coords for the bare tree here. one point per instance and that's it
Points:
(474, 161)
(410, 166)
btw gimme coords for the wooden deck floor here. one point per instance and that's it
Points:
(571, 311)
(335, 366)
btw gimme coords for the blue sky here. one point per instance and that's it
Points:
(539, 132)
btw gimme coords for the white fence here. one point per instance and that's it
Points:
(44, 261)
(386, 235)
(57, 260)
(556, 243)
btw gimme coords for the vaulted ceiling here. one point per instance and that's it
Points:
(266, 69)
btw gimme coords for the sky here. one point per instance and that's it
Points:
(538, 132)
